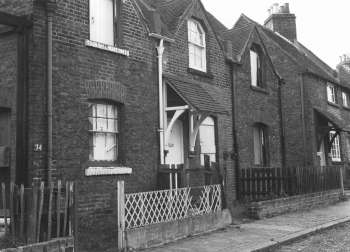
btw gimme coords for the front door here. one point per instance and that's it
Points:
(175, 155)
(321, 154)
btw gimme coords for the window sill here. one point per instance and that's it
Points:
(259, 89)
(104, 171)
(105, 47)
(346, 108)
(333, 104)
(200, 73)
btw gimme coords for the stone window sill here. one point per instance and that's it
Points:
(333, 104)
(346, 108)
(105, 47)
(200, 73)
(259, 89)
(107, 171)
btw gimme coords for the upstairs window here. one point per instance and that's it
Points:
(335, 148)
(331, 93)
(345, 97)
(196, 46)
(256, 67)
(103, 132)
(102, 13)
(207, 142)
(260, 145)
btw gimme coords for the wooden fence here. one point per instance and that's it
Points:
(39, 213)
(256, 184)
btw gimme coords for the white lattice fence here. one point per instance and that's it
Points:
(147, 208)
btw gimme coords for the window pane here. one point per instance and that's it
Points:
(331, 96)
(345, 99)
(257, 146)
(207, 140)
(254, 67)
(101, 21)
(335, 148)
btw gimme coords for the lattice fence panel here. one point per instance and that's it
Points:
(147, 208)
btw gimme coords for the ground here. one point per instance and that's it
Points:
(332, 240)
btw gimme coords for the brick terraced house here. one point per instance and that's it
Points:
(95, 90)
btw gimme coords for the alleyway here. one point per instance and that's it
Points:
(262, 233)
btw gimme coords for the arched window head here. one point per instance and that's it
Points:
(256, 70)
(260, 139)
(196, 46)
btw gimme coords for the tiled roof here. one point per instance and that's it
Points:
(332, 118)
(195, 95)
(172, 13)
(307, 60)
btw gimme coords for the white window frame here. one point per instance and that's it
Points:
(345, 97)
(104, 126)
(331, 93)
(207, 140)
(102, 18)
(254, 66)
(335, 148)
(196, 46)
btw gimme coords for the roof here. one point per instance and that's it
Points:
(306, 60)
(195, 95)
(172, 13)
(337, 122)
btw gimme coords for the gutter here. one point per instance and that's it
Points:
(51, 6)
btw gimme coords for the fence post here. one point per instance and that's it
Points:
(341, 181)
(32, 222)
(121, 215)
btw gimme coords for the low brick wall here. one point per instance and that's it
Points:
(158, 234)
(269, 208)
(61, 245)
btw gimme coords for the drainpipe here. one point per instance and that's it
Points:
(50, 10)
(282, 135)
(160, 50)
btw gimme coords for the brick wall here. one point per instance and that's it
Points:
(62, 244)
(270, 208)
(8, 90)
(218, 81)
(256, 105)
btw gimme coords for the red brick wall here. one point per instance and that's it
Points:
(256, 106)
(8, 89)
(218, 77)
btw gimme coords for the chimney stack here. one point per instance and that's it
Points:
(282, 21)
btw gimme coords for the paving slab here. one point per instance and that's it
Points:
(262, 235)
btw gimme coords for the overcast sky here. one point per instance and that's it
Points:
(322, 26)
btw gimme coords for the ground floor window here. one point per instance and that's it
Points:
(335, 147)
(103, 128)
(260, 145)
(207, 142)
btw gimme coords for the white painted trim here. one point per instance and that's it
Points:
(105, 47)
(100, 171)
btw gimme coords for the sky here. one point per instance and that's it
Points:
(323, 26)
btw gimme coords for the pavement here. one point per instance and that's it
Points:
(263, 235)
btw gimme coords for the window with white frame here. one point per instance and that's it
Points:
(335, 148)
(255, 67)
(102, 21)
(103, 132)
(207, 142)
(345, 97)
(260, 145)
(331, 93)
(196, 46)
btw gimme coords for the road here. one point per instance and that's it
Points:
(332, 240)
